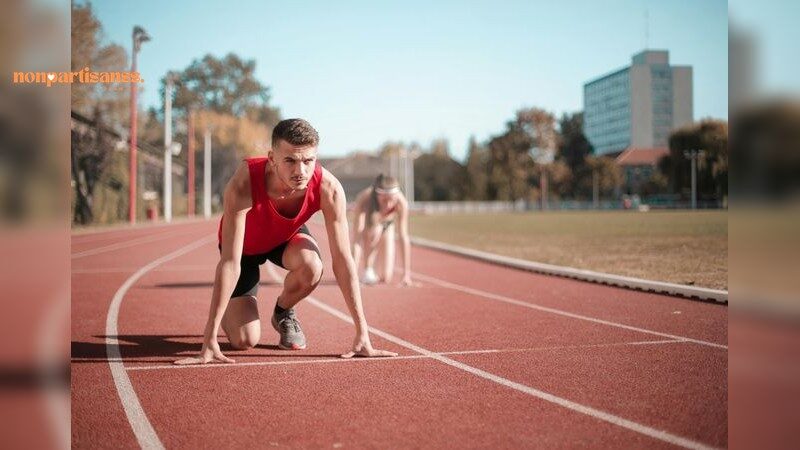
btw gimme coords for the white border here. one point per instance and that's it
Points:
(142, 428)
(717, 296)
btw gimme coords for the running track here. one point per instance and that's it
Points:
(489, 357)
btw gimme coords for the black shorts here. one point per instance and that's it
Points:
(250, 274)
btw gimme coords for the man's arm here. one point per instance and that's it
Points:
(334, 209)
(236, 202)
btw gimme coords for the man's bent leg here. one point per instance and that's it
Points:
(241, 322)
(301, 258)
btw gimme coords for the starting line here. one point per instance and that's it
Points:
(358, 359)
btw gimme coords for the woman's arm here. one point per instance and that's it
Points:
(405, 242)
(359, 222)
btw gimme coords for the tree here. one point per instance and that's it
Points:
(708, 135)
(608, 172)
(765, 137)
(227, 98)
(88, 51)
(511, 167)
(574, 147)
(510, 164)
(573, 150)
(540, 125)
(476, 171)
(437, 176)
(226, 86)
(101, 103)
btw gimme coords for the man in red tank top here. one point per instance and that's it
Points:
(266, 204)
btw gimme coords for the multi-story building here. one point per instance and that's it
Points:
(639, 105)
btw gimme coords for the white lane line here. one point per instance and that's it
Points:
(561, 347)
(271, 363)
(131, 269)
(512, 301)
(124, 244)
(142, 429)
(589, 411)
(171, 366)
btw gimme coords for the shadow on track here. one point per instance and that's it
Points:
(138, 348)
(210, 285)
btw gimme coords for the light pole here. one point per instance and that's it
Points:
(543, 157)
(139, 36)
(411, 155)
(207, 175)
(170, 148)
(693, 155)
(190, 163)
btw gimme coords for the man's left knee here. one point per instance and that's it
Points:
(312, 270)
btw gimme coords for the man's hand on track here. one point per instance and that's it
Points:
(210, 353)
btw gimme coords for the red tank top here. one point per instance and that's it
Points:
(265, 227)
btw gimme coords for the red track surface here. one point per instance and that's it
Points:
(529, 361)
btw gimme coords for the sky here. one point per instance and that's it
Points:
(773, 28)
(366, 72)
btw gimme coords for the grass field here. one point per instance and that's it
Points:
(676, 246)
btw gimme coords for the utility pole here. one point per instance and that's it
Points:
(595, 188)
(543, 185)
(414, 154)
(190, 163)
(168, 150)
(139, 36)
(407, 169)
(207, 175)
(693, 155)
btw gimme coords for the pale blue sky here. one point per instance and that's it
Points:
(773, 27)
(366, 72)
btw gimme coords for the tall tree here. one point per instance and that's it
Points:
(710, 136)
(228, 99)
(102, 103)
(510, 164)
(573, 147)
(530, 138)
(225, 85)
(437, 176)
(540, 125)
(764, 142)
(476, 171)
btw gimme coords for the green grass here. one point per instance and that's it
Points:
(676, 246)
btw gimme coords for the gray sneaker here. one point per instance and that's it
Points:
(292, 337)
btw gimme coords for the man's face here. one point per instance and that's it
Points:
(294, 164)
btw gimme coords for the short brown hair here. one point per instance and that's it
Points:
(296, 132)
